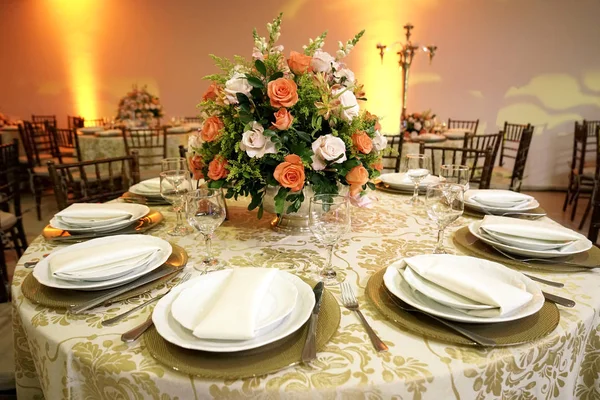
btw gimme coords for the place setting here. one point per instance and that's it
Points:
(413, 178)
(479, 203)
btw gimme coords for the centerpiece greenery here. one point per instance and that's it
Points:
(286, 122)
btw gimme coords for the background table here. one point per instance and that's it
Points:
(66, 356)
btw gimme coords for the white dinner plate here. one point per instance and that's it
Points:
(88, 130)
(455, 134)
(531, 205)
(526, 243)
(174, 333)
(278, 302)
(579, 246)
(396, 180)
(142, 190)
(109, 133)
(396, 284)
(42, 272)
(429, 138)
(138, 211)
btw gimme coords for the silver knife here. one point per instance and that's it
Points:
(152, 276)
(309, 352)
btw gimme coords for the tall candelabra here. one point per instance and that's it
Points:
(406, 54)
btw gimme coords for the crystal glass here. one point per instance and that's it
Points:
(174, 163)
(417, 167)
(329, 220)
(174, 185)
(453, 173)
(445, 203)
(205, 211)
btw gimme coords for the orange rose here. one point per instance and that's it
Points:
(282, 92)
(217, 168)
(378, 165)
(211, 93)
(299, 63)
(356, 178)
(362, 142)
(290, 173)
(211, 129)
(196, 165)
(283, 119)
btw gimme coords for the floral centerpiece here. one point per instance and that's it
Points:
(419, 123)
(139, 108)
(286, 122)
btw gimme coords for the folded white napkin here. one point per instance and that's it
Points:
(478, 280)
(499, 198)
(92, 214)
(102, 262)
(233, 313)
(528, 229)
(151, 185)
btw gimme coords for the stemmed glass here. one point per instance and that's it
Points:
(417, 167)
(445, 203)
(174, 163)
(329, 220)
(453, 173)
(174, 185)
(205, 210)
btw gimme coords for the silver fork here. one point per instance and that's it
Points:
(543, 260)
(350, 302)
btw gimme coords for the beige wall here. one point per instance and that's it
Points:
(519, 60)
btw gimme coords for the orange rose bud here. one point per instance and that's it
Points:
(362, 142)
(283, 119)
(196, 165)
(282, 92)
(290, 173)
(217, 168)
(299, 63)
(211, 129)
(211, 93)
(356, 178)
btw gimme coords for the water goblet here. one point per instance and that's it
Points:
(174, 163)
(454, 173)
(174, 185)
(329, 220)
(445, 203)
(417, 167)
(205, 211)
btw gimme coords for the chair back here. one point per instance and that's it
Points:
(511, 137)
(74, 122)
(483, 142)
(521, 159)
(150, 143)
(595, 200)
(66, 139)
(44, 119)
(192, 119)
(393, 153)
(93, 181)
(38, 142)
(10, 197)
(93, 122)
(467, 125)
(479, 161)
(182, 151)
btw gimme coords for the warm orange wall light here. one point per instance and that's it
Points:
(77, 21)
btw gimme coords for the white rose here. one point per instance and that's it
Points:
(237, 84)
(194, 141)
(417, 126)
(321, 61)
(379, 141)
(255, 143)
(345, 73)
(327, 148)
(349, 103)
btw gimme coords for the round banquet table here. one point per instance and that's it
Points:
(59, 355)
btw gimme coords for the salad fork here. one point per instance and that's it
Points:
(543, 260)
(350, 302)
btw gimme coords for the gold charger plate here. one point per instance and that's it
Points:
(243, 364)
(466, 242)
(475, 213)
(509, 333)
(387, 188)
(62, 298)
(143, 224)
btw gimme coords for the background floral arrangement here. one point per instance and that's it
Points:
(139, 105)
(286, 123)
(419, 123)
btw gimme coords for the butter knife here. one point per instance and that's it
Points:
(309, 352)
(152, 276)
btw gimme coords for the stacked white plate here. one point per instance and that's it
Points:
(492, 201)
(101, 218)
(109, 133)
(194, 125)
(149, 188)
(225, 312)
(401, 181)
(102, 263)
(463, 289)
(455, 133)
(179, 129)
(90, 130)
(529, 238)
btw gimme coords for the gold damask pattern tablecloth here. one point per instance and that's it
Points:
(74, 357)
(97, 147)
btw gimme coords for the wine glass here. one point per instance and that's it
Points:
(329, 220)
(205, 211)
(174, 185)
(174, 163)
(445, 203)
(454, 173)
(417, 167)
